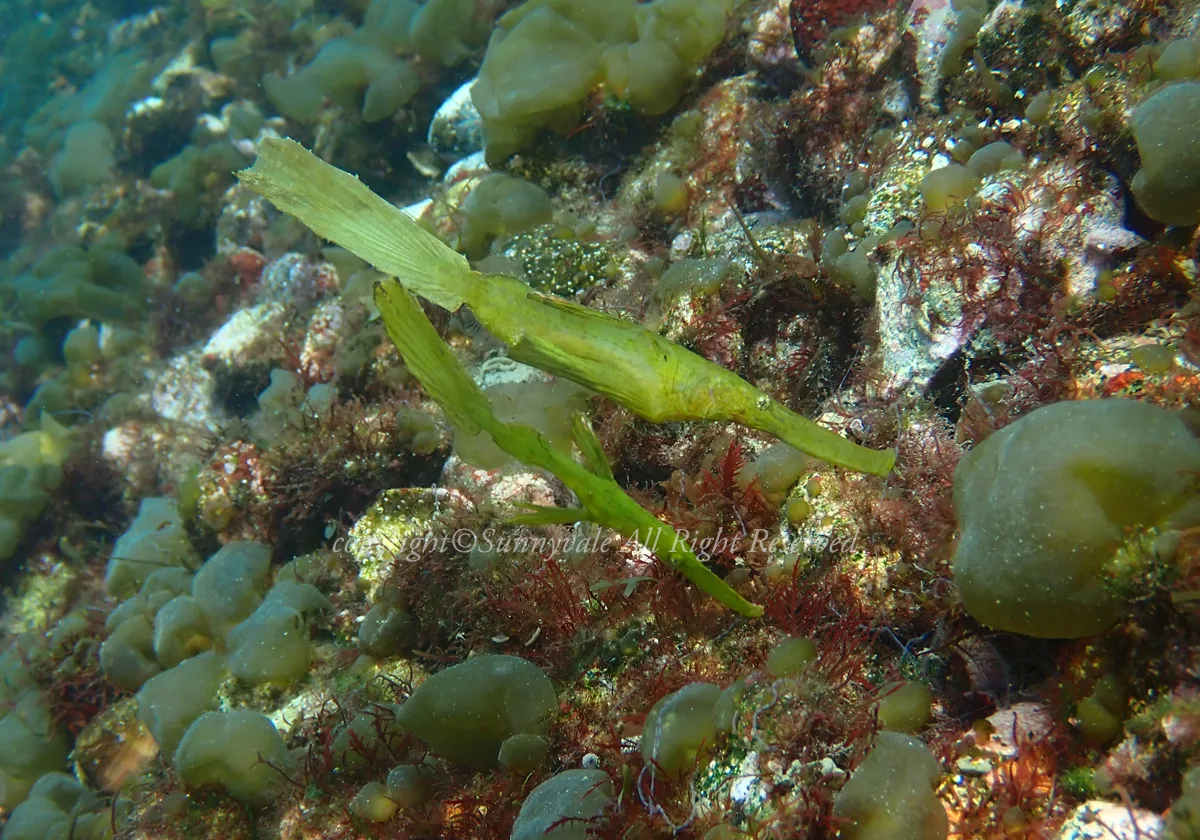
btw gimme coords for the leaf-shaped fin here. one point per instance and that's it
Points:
(589, 445)
(430, 359)
(630, 391)
(342, 209)
(579, 310)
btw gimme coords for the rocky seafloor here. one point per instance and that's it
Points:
(263, 581)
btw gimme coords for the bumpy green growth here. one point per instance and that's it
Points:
(905, 706)
(155, 540)
(99, 283)
(646, 373)
(1183, 820)
(30, 744)
(546, 56)
(59, 808)
(1044, 505)
(468, 712)
(790, 657)
(568, 806)
(272, 644)
(231, 583)
(30, 471)
(175, 618)
(171, 701)
(501, 205)
(1167, 129)
(891, 794)
(86, 158)
(681, 729)
(602, 499)
(189, 176)
(240, 750)
(349, 71)
(361, 71)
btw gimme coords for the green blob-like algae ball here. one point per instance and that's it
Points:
(670, 193)
(949, 187)
(905, 706)
(995, 157)
(1167, 129)
(1096, 724)
(568, 806)
(1180, 59)
(499, 206)
(647, 74)
(777, 468)
(681, 728)
(410, 785)
(1040, 108)
(523, 753)
(790, 657)
(272, 644)
(59, 808)
(171, 701)
(240, 750)
(386, 630)
(1045, 503)
(466, 712)
(1099, 716)
(373, 803)
(890, 796)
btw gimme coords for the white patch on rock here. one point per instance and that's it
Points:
(246, 331)
(456, 128)
(185, 392)
(1097, 819)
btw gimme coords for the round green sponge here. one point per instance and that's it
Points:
(1045, 503)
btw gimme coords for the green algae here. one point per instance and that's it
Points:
(386, 531)
(561, 265)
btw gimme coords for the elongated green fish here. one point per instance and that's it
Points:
(602, 500)
(637, 368)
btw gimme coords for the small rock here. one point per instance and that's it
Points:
(1098, 819)
(1019, 725)
(248, 335)
(456, 129)
(400, 527)
(184, 392)
(970, 766)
